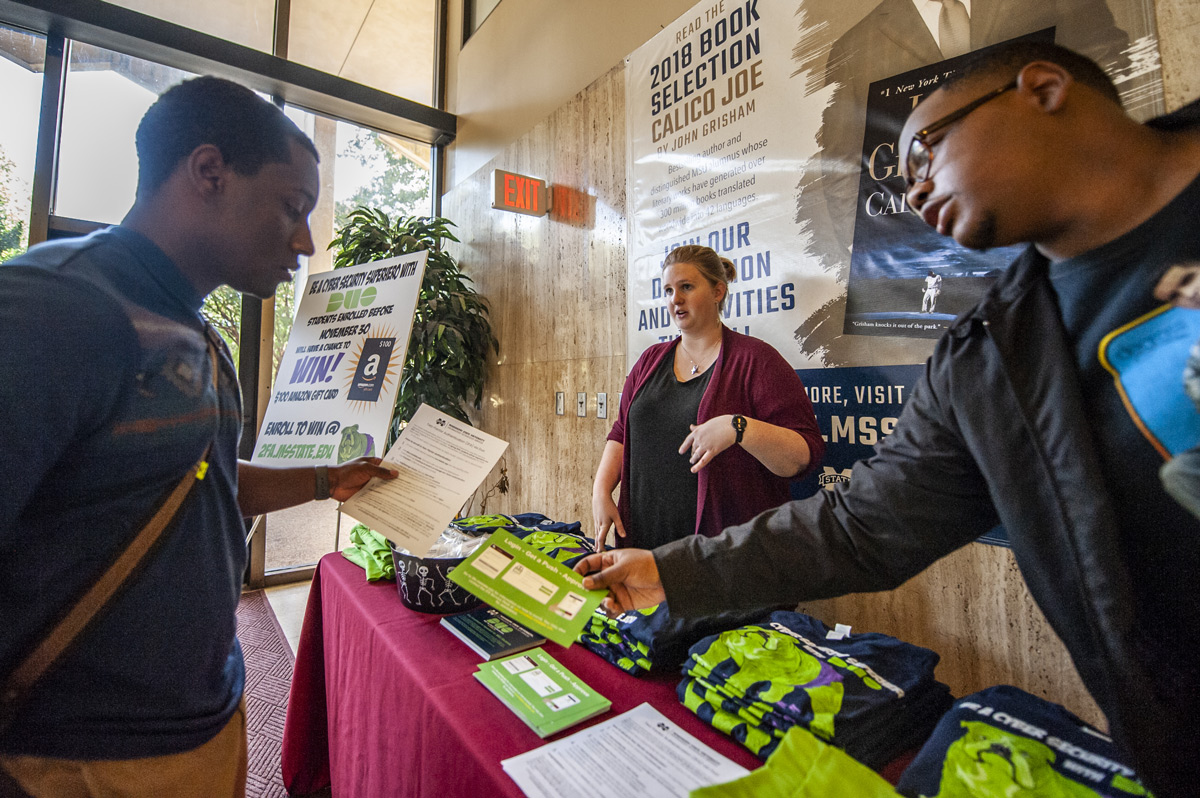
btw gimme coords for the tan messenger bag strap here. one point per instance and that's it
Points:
(60, 637)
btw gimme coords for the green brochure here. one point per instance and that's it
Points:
(541, 692)
(529, 587)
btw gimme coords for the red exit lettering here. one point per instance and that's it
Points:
(521, 192)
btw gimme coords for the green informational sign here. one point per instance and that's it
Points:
(529, 587)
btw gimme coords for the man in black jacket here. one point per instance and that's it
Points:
(1027, 144)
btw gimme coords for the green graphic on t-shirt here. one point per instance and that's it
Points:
(560, 546)
(493, 521)
(754, 737)
(987, 761)
(764, 656)
(1130, 786)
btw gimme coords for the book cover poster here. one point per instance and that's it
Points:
(906, 279)
(842, 49)
(716, 129)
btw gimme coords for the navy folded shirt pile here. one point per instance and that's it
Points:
(870, 694)
(642, 640)
(611, 639)
(1005, 743)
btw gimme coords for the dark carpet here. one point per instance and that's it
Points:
(269, 662)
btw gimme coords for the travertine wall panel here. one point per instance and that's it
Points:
(1179, 43)
(556, 285)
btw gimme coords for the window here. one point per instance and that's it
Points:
(22, 61)
(105, 95)
(88, 171)
(474, 13)
(359, 167)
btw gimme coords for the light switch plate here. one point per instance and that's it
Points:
(560, 404)
(601, 405)
(581, 404)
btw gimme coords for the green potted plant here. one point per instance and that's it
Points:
(446, 360)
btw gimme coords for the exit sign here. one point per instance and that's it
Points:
(520, 193)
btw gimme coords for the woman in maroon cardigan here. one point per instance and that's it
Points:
(712, 427)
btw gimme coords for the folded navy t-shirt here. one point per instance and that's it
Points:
(1006, 743)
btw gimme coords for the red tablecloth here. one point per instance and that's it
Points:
(384, 703)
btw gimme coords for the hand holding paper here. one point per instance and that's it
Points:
(439, 462)
(631, 575)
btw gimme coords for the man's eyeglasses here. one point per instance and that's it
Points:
(919, 159)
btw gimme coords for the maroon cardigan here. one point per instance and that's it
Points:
(751, 378)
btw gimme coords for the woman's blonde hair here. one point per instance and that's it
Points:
(714, 268)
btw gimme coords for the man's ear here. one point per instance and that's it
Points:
(207, 171)
(1046, 83)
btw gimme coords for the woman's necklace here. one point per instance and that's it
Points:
(695, 362)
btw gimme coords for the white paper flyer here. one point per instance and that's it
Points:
(441, 461)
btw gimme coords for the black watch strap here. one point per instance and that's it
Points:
(321, 488)
(739, 426)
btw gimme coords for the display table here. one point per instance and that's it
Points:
(384, 703)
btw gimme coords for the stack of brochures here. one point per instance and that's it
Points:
(541, 692)
(490, 633)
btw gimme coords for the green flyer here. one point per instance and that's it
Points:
(529, 587)
(541, 692)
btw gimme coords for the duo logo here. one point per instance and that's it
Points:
(359, 297)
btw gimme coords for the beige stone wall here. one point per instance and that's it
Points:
(1179, 43)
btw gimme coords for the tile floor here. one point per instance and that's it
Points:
(288, 602)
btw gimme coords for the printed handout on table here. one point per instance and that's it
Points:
(657, 760)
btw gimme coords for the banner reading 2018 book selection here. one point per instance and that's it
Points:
(754, 125)
(333, 397)
(714, 132)
(720, 130)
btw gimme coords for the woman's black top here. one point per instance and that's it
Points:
(662, 488)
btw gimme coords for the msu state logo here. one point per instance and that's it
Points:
(831, 477)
